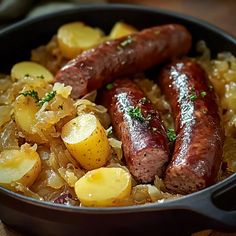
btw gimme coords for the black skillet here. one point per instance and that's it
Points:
(214, 207)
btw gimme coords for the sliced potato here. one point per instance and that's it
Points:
(22, 166)
(121, 29)
(25, 109)
(86, 140)
(75, 37)
(103, 187)
(28, 68)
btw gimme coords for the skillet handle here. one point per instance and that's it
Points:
(217, 203)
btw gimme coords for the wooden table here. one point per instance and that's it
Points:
(218, 12)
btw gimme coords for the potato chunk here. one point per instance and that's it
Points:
(28, 68)
(22, 166)
(25, 109)
(103, 187)
(75, 37)
(121, 29)
(86, 140)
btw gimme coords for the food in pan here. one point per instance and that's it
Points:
(81, 124)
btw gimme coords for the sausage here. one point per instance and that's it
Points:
(124, 56)
(140, 129)
(198, 148)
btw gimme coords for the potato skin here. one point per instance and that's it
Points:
(93, 150)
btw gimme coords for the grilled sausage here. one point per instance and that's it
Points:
(140, 129)
(198, 147)
(124, 56)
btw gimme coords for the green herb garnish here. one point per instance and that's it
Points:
(135, 112)
(109, 86)
(32, 94)
(203, 94)
(47, 98)
(126, 42)
(109, 131)
(171, 134)
(193, 95)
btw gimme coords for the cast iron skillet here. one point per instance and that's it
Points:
(214, 207)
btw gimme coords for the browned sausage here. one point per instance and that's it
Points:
(140, 129)
(198, 147)
(124, 56)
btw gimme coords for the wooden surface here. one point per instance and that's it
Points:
(218, 12)
(221, 13)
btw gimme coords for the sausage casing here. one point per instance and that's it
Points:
(198, 147)
(140, 129)
(124, 56)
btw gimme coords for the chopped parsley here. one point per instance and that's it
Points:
(109, 86)
(32, 94)
(203, 94)
(171, 134)
(47, 98)
(126, 42)
(193, 95)
(136, 113)
(109, 131)
(27, 75)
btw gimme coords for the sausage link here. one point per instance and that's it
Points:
(140, 129)
(124, 56)
(198, 147)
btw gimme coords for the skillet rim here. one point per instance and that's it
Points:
(169, 204)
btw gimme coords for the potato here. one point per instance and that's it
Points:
(28, 68)
(121, 29)
(19, 166)
(103, 187)
(86, 140)
(25, 109)
(75, 37)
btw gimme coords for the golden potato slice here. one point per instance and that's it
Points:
(22, 166)
(75, 37)
(86, 140)
(28, 68)
(103, 187)
(121, 29)
(25, 109)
